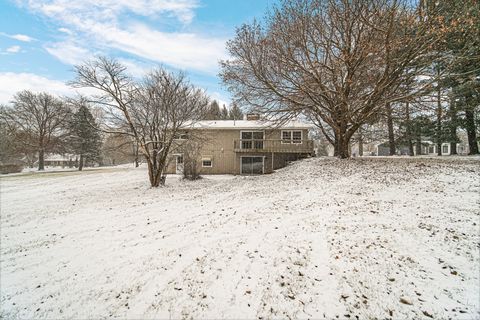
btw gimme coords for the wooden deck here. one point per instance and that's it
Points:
(276, 146)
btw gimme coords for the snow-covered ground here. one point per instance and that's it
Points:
(367, 238)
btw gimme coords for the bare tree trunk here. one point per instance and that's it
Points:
(471, 131)
(135, 152)
(360, 143)
(391, 135)
(155, 173)
(439, 120)
(80, 163)
(343, 144)
(41, 159)
(335, 147)
(418, 146)
(408, 129)
(453, 127)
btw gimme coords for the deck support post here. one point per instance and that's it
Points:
(272, 161)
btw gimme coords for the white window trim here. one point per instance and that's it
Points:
(290, 141)
(207, 159)
(241, 131)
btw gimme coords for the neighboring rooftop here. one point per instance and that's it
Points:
(249, 124)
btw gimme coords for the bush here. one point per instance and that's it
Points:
(10, 168)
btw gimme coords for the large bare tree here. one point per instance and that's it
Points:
(341, 61)
(39, 120)
(151, 111)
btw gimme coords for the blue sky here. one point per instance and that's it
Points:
(40, 40)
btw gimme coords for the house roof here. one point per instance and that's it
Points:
(249, 124)
(59, 157)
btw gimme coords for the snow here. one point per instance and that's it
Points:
(318, 239)
(248, 124)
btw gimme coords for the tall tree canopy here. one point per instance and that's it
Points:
(39, 120)
(340, 61)
(151, 112)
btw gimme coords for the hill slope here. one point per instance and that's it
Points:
(321, 238)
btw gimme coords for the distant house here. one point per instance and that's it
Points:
(246, 147)
(60, 160)
(427, 148)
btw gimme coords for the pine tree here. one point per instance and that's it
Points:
(235, 113)
(224, 113)
(85, 139)
(213, 112)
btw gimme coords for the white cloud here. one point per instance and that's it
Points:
(22, 37)
(19, 37)
(65, 30)
(13, 49)
(102, 26)
(11, 83)
(68, 52)
(182, 50)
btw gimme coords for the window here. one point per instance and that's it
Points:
(251, 165)
(181, 136)
(207, 162)
(292, 136)
(252, 139)
(445, 149)
(297, 136)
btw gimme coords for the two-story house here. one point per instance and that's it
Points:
(246, 147)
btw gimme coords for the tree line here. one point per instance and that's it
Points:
(215, 112)
(143, 118)
(36, 124)
(350, 65)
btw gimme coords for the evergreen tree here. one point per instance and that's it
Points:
(459, 28)
(85, 139)
(224, 113)
(213, 112)
(235, 113)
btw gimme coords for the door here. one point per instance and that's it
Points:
(179, 164)
(251, 165)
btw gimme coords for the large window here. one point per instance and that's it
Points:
(252, 139)
(292, 136)
(251, 165)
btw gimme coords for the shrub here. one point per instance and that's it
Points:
(10, 168)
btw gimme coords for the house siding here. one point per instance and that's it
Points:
(219, 146)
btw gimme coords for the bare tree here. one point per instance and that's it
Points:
(151, 112)
(342, 61)
(39, 119)
(192, 158)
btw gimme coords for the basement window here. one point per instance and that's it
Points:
(207, 162)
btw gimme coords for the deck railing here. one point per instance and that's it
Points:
(271, 145)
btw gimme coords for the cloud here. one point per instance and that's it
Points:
(19, 37)
(13, 49)
(68, 52)
(65, 30)
(11, 83)
(110, 25)
(182, 50)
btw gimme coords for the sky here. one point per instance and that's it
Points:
(41, 40)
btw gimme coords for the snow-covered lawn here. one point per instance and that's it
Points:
(385, 238)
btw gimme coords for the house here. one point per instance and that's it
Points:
(60, 160)
(246, 147)
(427, 148)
